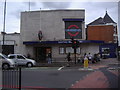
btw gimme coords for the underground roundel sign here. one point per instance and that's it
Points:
(73, 30)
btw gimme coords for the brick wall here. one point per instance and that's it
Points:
(104, 33)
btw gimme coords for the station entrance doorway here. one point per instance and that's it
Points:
(41, 54)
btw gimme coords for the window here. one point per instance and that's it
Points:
(12, 57)
(78, 50)
(20, 57)
(69, 50)
(106, 51)
(61, 50)
(1, 57)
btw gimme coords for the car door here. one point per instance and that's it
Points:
(13, 57)
(21, 60)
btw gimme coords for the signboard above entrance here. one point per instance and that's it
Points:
(60, 42)
(73, 28)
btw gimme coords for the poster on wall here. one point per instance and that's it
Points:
(73, 29)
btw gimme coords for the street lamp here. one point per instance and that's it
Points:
(3, 33)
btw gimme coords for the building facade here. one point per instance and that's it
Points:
(11, 43)
(51, 31)
(104, 29)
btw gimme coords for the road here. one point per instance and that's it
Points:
(51, 78)
(96, 76)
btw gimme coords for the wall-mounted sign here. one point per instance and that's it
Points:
(73, 29)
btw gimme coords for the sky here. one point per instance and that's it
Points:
(93, 10)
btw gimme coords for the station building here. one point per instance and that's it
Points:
(51, 31)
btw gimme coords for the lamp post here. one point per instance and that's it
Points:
(4, 22)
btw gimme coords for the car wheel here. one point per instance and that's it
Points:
(6, 66)
(29, 64)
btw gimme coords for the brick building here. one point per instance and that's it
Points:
(104, 29)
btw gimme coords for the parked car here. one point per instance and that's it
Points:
(6, 63)
(22, 60)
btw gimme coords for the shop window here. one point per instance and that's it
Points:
(69, 50)
(78, 50)
(106, 51)
(61, 50)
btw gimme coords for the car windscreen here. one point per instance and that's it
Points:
(4, 56)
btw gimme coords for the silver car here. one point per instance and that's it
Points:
(22, 60)
(6, 63)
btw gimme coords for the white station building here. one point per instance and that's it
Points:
(51, 31)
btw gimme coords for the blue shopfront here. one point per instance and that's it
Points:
(108, 50)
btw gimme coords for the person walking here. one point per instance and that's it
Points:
(49, 58)
(85, 55)
(68, 58)
(90, 57)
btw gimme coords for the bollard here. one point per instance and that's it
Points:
(85, 62)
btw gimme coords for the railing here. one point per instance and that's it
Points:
(11, 79)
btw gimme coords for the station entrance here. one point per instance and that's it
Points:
(41, 54)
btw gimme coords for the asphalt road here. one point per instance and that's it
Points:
(56, 77)
(48, 78)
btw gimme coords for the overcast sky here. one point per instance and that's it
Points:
(93, 10)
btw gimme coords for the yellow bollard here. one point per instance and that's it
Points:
(85, 62)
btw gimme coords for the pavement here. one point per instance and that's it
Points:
(106, 75)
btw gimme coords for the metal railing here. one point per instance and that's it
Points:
(11, 79)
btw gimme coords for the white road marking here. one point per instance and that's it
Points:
(61, 68)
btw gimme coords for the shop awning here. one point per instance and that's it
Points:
(60, 42)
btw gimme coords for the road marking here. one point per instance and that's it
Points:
(85, 69)
(60, 68)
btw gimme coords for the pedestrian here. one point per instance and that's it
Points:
(89, 57)
(49, 58)
(85, 55)
(95, 58)
(68, 58)
(28, 55)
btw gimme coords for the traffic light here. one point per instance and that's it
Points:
(75, 43)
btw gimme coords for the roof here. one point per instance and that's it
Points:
(53, 10)
(107, 18)
(101, 21)
(97, 21)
